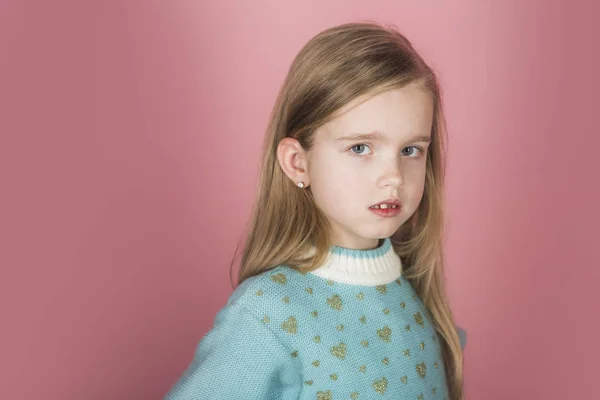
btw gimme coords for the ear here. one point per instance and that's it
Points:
(293, 160)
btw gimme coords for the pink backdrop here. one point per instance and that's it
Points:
(130, 136)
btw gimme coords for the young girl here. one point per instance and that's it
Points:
(341, 282)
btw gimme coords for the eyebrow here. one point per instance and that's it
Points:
(378, 135)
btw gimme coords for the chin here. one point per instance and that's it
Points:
(381, 233)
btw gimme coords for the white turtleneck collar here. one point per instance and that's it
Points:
(371, 267)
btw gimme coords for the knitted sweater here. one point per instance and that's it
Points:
(352, 329)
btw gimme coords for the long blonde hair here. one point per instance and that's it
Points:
(335, 67)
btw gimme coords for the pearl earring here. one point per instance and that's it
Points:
(300, 185)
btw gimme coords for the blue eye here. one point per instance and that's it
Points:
(360, 146)
(359, 150)
(414, 147)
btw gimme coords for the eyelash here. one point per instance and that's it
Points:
(363, 144)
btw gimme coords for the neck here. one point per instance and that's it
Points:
(354, 243)
(371, 267)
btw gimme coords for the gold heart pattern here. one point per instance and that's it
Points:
(279, 278)
(418, 319)
(324, 395)
(381, 289)
(421, 370)
(339, 351)
(385, 333)
(335, 302)
(290, 325)
(380, 385)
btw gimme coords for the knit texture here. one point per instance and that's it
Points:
(286, 335)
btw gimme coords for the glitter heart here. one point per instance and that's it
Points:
(381, 289)
(290, 326)
(335, 302)
(279, 278)
(418, 319)
(384, 333)
(421, 369)
(339, 351)
(326, 395)
(380, 385)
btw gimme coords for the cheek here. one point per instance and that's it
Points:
(417, 185)
(336, 186)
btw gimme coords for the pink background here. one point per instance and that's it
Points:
(130, 136)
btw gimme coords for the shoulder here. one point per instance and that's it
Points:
(273, 294)
(268, 286)
(267, 282)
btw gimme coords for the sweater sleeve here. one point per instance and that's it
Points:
(462, 336)
(239, 358)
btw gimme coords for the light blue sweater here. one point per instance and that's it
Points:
(354, 329)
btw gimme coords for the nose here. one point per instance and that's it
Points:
(392, 176)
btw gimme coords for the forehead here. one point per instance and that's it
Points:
(396, 113)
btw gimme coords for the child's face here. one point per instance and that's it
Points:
(347, 177)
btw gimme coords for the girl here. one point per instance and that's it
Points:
(341, 282)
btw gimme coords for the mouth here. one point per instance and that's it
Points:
(384, 206)
(387, 209)
(389, 203)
